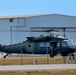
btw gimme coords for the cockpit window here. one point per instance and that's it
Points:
(63, 44)
(58, 44)
(69, 43)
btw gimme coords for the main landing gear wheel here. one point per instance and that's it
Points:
(51, 54)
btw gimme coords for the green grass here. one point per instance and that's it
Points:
(30, 60)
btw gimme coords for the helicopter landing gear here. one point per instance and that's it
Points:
(6, 55)
(52, 54)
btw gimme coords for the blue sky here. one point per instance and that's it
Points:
(24, 7)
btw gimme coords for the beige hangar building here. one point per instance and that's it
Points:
(15, 29)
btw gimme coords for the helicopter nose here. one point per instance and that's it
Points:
(75, 49)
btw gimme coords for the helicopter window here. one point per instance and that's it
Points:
(42, 44)
(70, 44)
(58, 44)
(63, 44)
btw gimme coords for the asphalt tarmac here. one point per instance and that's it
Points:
(38, 67)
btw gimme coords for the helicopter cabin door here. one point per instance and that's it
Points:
(30, 48)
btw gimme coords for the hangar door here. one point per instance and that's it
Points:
(18, 34)
(71, 33)
(47, 31)
(68, 32)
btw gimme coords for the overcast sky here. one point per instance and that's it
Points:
(24, 7)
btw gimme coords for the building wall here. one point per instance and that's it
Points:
(9, 34)
(51, 21)
(5, 30)
(54, 21)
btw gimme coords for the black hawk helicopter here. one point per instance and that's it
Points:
(52, 45)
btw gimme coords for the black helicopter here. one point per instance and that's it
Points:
(52, 45)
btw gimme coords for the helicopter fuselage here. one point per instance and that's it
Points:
(42, 45)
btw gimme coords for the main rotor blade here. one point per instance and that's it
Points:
(39, 30)
(51, 31)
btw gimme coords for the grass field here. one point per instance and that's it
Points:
(50, 72)
(30, 60)
(40, 60)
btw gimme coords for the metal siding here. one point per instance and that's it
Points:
(71, 34)
(37, 34)
(21, 22)
(19, 36)
(51, 21)
(42, 21)
(5, 25)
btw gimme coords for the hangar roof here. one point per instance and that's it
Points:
(19, 16)
(33, 15)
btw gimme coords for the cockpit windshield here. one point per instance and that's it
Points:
(70, 43)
